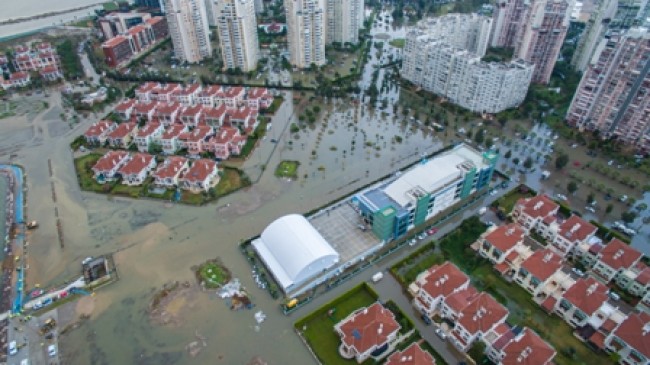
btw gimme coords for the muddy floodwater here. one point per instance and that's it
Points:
(156, 243)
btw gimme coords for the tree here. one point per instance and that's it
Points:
(572, 187)
(609, 208)
(590, 198)
(528, 162)
(479, 137)
(561, 161)
(508, 155)
(515, 161)
(628, 217)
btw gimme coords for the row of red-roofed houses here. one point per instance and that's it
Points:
(444, 290)
(169, 113)
(176, 171)
(222, 142)
(210, 95)
(583, 302)
(41, 58)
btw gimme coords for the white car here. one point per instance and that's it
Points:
(13, 348)
(441, 333)
(51, 350)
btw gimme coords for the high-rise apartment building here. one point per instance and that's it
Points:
(613, 96)
(306, 32)
(536, 29)
(188, 27)
(237, 28)
(443, 56)
(594, 31)
(344, 19)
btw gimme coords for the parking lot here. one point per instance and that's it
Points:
(35, 338)
(340, 225)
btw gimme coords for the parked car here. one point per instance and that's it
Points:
(441, 333)
(13, 348)
(51, 350)
(426, 319)
(432, 231)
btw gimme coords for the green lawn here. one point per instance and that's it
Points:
(231, 180)
(318, 328)
(287, 169)
(398, 43)
(508, 201)
(85, 175)
(213, 275)
(126, 190)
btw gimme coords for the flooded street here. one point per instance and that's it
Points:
(155, 243)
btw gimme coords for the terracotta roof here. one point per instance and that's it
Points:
(461, 299)
(506, 237)
(502, 268)
(549, 304)
(146, 87)
(46, 54)
(549, 219)
(598, 339)
(167, 88)
(256, 92)
(512, 256)
(113, 42)
(644, 276)
(225, 134)
(44, 45)
(527, 349)
(632, 332)
(537, 207)
(124, 105)
(20, 75)
(137, 29)
(190, 89)
(167, 108)
(199, 133)
(214, 113)
(21, 48)
(110, 160)
(136, 164)
(173, 166)
(23, 58)
(542, 264)
(210, 90)
(368, 327)
(174, 130)
(233, 91)
(144, 107)
(587, 295)
(576, 229)
(442, 280)
(482, 313)
(122, 130)
(412, 355)
(595, 248)
(99, 128)
(149, 129)
(49, 69)
(200, 170)
(609, 325)
(617, 255)
(154, 20)
(191, 111)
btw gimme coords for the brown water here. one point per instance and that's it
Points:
(156, 243)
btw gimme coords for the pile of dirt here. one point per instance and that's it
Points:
(170, 303)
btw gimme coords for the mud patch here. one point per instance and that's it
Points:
(171, 302)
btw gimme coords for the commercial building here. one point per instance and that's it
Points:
(393, 207)
(237, 28)
(120, 49)
(612, 97)
(536, 29)
(443, 56)
(189, 29)
(117, 23)
(344, 19)
(306, 32)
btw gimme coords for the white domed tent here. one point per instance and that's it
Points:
(294, 251)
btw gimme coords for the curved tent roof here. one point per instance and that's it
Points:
(294, 251)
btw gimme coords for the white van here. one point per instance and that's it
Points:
(378, 276)
(13, 348)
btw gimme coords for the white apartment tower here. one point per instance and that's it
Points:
(188, 27)
(344, 19)
(237, 27)
(443, 56)
(306, 32)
